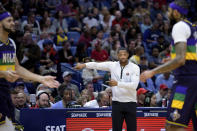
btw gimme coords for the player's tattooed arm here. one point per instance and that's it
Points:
(179, 60)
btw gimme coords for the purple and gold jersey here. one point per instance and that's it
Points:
(7, 62)
(7, 56)
(190, 67)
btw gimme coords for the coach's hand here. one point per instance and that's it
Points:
(112, 83)
(79, 66)
(10, 76)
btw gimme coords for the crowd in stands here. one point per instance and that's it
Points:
(53, 35)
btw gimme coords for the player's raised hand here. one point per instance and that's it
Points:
(146, 74)
(50, 81)
(79, 66)
(10, 76)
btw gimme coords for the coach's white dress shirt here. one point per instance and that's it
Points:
(127, 78)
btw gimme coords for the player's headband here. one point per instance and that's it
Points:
(178, 8)
(4, 15)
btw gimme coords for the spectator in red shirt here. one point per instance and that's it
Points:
(85, 37)
(99, 54)
(119, 19)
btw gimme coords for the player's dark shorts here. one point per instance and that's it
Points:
(6, 106)
(183, 102)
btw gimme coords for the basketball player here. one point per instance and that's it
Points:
(10, 71)
(184, 63)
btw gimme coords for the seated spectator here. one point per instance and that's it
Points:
(89, 75)
(114, 51)
(59, 21)
(29, 53)
(33, 22)
(51, 4)
(143, 62)
(65, 54)
(48, 27)
(131, 34)
(82, 100)
(99, 37)
(90, 21)
(109, 92)
(150, 100)
(141, 94)
(118, 19)
(148, 85)
(65, 94)
(106, 22)
(131, 47)
(85, 93)
(90, 87)
(146, 24)
(154, 59)
(101, 101)
(85, 37)
(99, 54)
(60, 37)
(22, 101)
(165, 78)
(162, 93)
(151, 35)
(67, 77)
(42, 99)
(63, 7)
(74, 24)
(48, 58)
(81, 52)
(138, 52)
(14, 97)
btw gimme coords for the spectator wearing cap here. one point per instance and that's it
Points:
(42, 99)
(42, 87)
(99, 54)
(162, 92)
(89, 75)
(141, 94)
(67, 77)
(165, 78)
(21, 87)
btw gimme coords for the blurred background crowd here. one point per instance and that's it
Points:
(53, 35)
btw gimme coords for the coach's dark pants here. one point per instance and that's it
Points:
(123, 111)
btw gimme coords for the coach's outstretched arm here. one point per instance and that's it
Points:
(105, 66)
